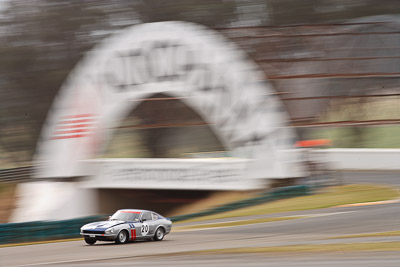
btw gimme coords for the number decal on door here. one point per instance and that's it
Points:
(145, 229)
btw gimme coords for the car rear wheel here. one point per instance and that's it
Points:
(90, 241)
(122, 237)
(159, 235)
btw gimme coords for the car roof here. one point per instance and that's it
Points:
(134, 210)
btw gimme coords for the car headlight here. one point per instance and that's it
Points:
(110, 231)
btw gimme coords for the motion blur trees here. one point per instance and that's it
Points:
(285, 12)
(211, 13)
(41, 42)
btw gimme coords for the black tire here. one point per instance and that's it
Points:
(122, 237)
(159, 235)
(90, 241)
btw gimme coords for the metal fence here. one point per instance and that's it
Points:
(16, 174)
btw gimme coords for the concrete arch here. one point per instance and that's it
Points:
(209, 73)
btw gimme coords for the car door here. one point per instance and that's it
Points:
(145, 226)
(153, 223)
(133, 225)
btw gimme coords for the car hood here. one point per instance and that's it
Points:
(102, 225)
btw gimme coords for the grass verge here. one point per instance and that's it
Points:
(328, 197)
(378, 234)
(213, 200)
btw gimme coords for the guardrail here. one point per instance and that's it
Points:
(44, 230)
(15, 174)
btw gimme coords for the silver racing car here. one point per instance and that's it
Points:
(128, 225)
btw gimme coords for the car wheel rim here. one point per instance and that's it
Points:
(159, 234)
(122, 237)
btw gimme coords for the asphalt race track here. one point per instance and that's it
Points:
(315, 228)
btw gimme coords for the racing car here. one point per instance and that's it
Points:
(128, 225)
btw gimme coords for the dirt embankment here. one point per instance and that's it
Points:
(7, 201)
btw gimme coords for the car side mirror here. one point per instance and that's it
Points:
(144, 219)
(109, 217)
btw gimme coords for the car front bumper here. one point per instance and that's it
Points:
(100, 237)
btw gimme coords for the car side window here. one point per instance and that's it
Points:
(147, 216)
(155, 216)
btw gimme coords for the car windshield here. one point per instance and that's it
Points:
(124, 215)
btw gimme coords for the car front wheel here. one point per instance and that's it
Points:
(122, 237)
(159, 235)
(90, 241)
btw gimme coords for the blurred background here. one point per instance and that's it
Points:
(334, 64)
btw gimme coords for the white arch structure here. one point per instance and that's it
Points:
(206, 71)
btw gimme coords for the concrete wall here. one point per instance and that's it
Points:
(41, 201)
(359, 159)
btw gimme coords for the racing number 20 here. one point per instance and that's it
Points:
(145, 229)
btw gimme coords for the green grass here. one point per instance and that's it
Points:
(329, 197)
(366, 137)
(385, 136)
(238, 223)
